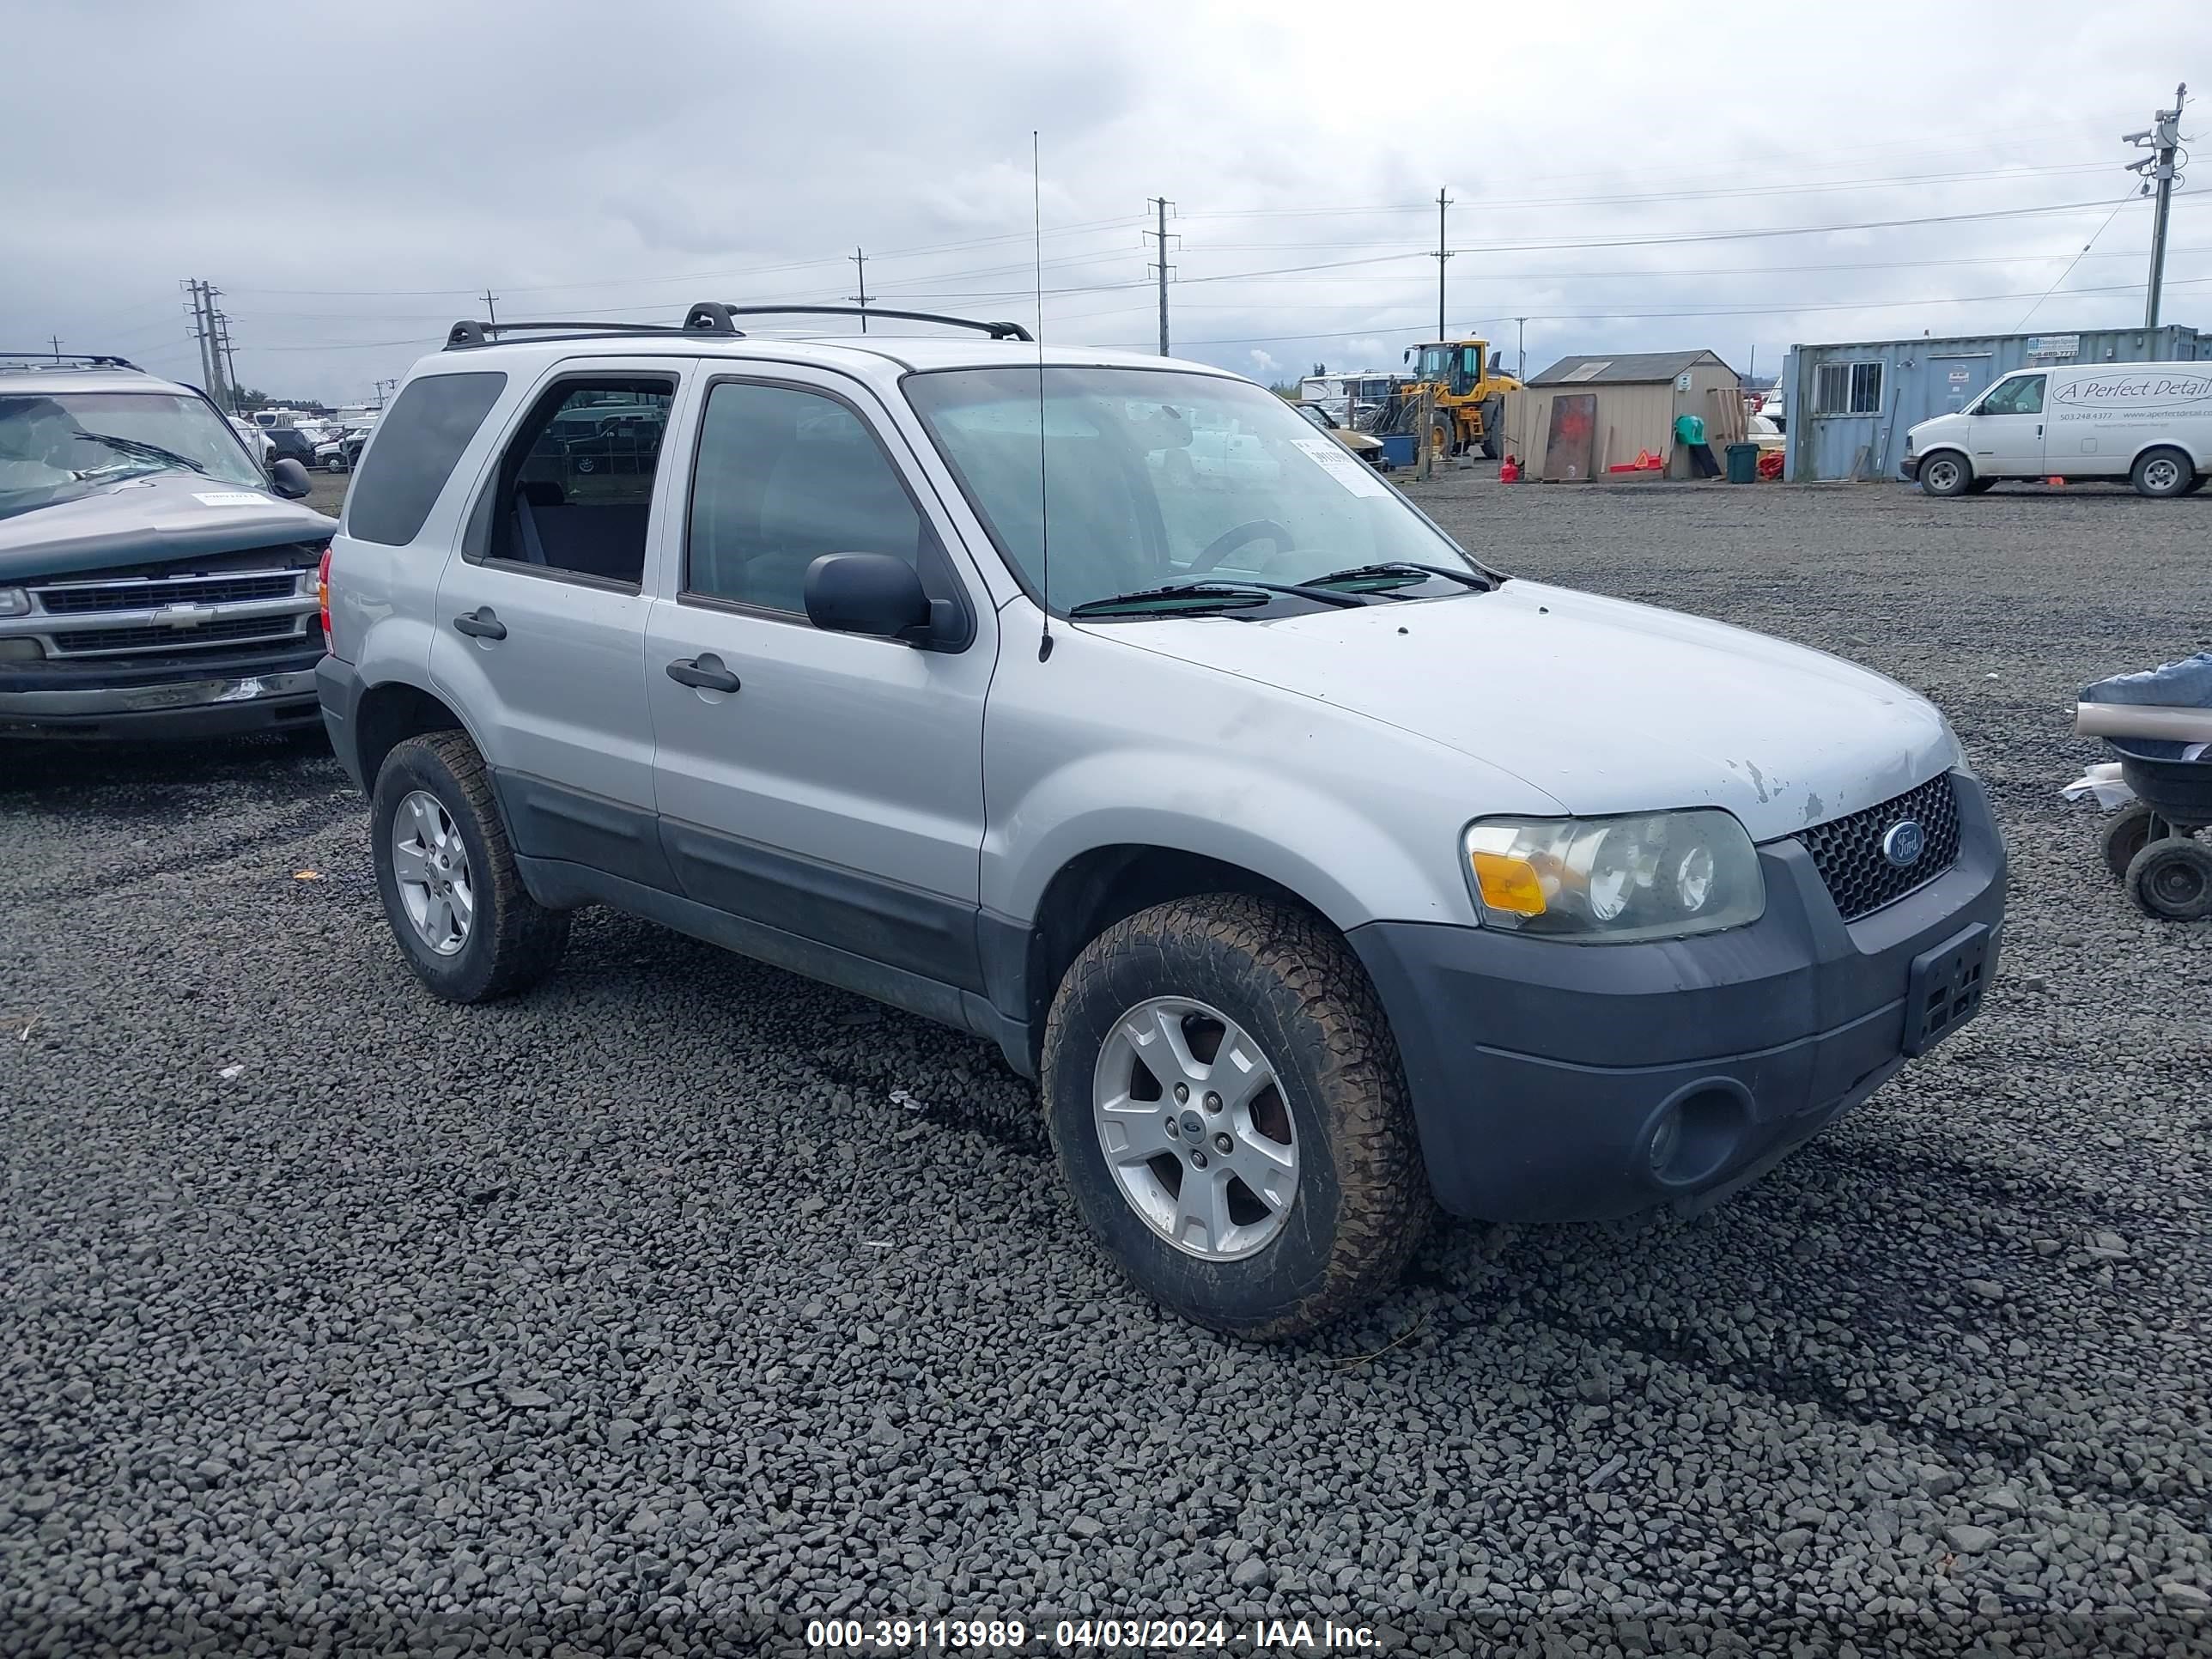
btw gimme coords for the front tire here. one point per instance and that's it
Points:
(1945, 473)
(446, 873)
(1226, 1101)
(2161, 473)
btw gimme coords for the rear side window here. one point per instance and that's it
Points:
(417, 443)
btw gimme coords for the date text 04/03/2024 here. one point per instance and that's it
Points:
(1267, 1635)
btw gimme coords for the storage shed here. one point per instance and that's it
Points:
(1585, 415)
(1846, 408)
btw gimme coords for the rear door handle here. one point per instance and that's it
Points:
(704, 671)
(481, 624)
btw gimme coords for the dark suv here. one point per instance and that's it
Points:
(154, 581)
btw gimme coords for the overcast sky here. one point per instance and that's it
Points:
(352, 174)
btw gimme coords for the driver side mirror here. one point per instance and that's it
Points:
(287, 478)
(878, 595)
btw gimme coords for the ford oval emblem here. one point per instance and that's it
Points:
(1905, 843)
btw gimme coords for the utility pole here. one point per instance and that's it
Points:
(491, 313)
(1442, 254)
(229, 360)
(204, 331)
(1162, 204)
(2162, 139)
(382, 387)
(1521, 347)
(859, 258)
(55, 341)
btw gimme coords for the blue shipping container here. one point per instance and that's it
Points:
(1846, 408)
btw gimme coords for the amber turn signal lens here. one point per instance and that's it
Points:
(1508, 884)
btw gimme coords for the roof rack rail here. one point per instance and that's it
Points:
(711, 314)
(94, 360)
(464, 333)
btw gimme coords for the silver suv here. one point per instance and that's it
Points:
(1100, 706)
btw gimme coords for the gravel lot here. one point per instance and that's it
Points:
(638, 1315)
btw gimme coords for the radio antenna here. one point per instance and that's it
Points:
(1044, 494)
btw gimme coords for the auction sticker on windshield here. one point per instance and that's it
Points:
(227, 498)
(1341, 465)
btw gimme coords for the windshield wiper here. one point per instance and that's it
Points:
(143, 449)
(1404, 567)
(1225, 595)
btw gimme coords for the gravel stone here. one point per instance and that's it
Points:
(450, 1299)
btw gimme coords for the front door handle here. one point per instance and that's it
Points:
(482, 624)
(704, 671)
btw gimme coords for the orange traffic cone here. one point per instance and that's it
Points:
(2055, 483)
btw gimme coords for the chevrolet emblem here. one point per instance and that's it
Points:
(185, 615)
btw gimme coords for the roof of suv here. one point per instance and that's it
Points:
(83, 376)
(906, 351)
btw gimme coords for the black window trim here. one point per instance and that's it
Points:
(489, 490)
(687, 595)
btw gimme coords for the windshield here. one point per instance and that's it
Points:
(1155, 476)
(56, 445)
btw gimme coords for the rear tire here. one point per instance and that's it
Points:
(2172, 879)
(1946, 473)
(507, 941)
(1358, 1199)
(2126, 833)
(2161, 473)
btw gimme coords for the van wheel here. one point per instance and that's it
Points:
(1227, 1105)
(1946, 474)
(2162, 472)
(446, 874)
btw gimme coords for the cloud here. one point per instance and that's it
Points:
(363, 179)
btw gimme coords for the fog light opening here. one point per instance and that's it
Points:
(1697, 1133)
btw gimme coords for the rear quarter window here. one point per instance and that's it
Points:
(420, 438)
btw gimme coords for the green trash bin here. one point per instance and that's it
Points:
(1743, 463)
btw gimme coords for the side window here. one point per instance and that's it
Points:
(784, 477)
(1847, 388)
(420, 437)
(574, 488)
(2023, 396)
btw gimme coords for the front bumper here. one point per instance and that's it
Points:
(1543, 1073)
(1909, 469)
(205, 703)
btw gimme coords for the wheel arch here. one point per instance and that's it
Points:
(392, 711)
(2188, 452)
(1087, 894)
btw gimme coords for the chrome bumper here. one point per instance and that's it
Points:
(97, 701)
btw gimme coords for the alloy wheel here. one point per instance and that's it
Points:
(430, 865)
(1192, 1120)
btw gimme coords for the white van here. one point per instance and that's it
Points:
(2148, 422)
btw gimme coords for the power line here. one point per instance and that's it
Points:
(2075, 261)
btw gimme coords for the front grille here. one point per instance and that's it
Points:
(1847, 853)
(76, 598)
(161, 641)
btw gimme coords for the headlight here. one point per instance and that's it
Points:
(1657, 875)
(14, 602)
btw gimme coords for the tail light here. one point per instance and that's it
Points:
(323, 593)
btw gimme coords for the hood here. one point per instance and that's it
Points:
(1606, 706)
(158, 517)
